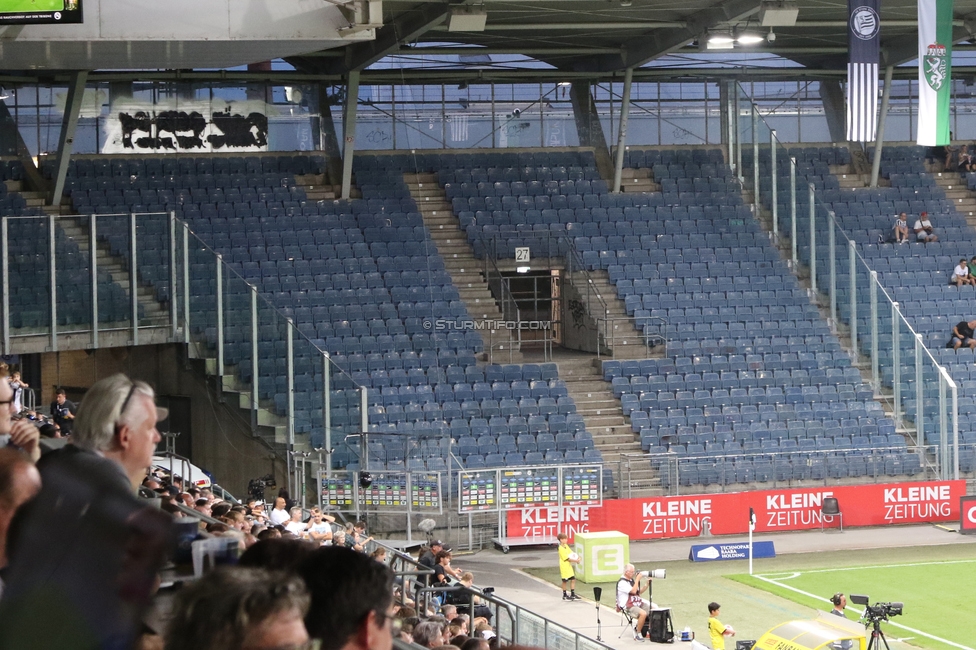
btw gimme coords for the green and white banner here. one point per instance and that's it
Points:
(934, 71)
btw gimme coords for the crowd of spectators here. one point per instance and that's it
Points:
(86, 528)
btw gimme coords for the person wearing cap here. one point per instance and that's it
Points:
(86, 542)
(924, 232)
(428, 559)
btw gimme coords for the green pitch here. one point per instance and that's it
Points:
(938, 596)
(21, 6)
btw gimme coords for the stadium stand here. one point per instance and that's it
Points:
(361, 280)
(916, 275)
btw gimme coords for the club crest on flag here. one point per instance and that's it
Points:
(935, 65)
(865, 23)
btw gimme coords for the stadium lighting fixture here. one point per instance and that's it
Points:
(720, 41)
(749, 39)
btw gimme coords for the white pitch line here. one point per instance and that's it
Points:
(899, 625)
(880, 566)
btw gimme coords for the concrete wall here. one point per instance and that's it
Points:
(215, 436)
(579, 328)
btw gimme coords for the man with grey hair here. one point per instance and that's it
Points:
(21, 433)
(629, 599)
(237, 607)
(86, 547)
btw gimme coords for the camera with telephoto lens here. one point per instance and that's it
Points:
(656, 574)
(878, 611)
(257, 486)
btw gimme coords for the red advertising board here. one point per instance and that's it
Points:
(967, 515)
(728, 513)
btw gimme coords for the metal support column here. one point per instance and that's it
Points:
(255, 383)
(186, 283)
(733, 136)
(879, 137)
(832, 260)
(53, 284)
(349, 130)
(327, 410)
(813, 243)
(852, 269)
(220, 327)
(290, 353)
(738, 137)
(919, 393)
(134, 278)
(173, 316)
(954, 401)
(793, 244)
(774, 177)
(364, 410)
(93, 268)
(72, 109)
(618, 164)
(755, 158)
(363, 441)
(873, 291)
(943, 428)
(896, 363)
(5, 288)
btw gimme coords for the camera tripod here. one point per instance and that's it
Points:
(877, 634)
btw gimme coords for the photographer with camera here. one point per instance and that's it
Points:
(629, 598)
(63, 412)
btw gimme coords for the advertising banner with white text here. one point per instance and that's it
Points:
(728, 513)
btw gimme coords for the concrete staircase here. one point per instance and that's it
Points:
(466, 271)
(638, 180)
(958, 192)
(605, 420)
(623, 340)
(154, 313)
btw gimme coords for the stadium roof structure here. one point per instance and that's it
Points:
(490, 40)
(600, 37)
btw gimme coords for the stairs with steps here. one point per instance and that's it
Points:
(461, 264)
(605, 420)
(317, 188)
(958, 192)
(624, 341)
(154, 314)
(638, 180)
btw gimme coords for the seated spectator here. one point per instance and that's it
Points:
(277, 554)
(352, 600)
(231, 608)
(962, 334)
(475, 643)
(359, 538)
(961, 275)
(379, 554)
(428, 634)
(972, 268)
(295, 525)
(901, 228)
(279, 516)
(97, 546)
(320, 527)
(339, 538)
(924, 232)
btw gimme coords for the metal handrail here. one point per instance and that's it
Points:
(649, 339)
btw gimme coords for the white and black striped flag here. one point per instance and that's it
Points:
(863, 39)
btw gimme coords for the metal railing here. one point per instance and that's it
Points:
(176, 289)
(814, 468)
(854, 295)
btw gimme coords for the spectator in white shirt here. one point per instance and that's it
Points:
(279, 516)
(320, 527)
(296, 525)
(901, 229)
(961, 276)
(924, 232)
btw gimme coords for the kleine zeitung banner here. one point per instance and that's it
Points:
(728, 513)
